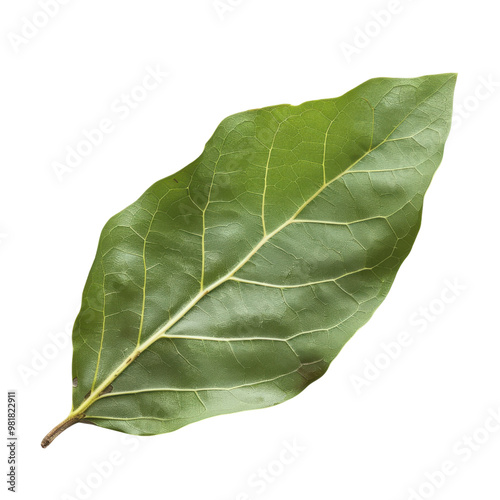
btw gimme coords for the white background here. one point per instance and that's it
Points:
(376, 443)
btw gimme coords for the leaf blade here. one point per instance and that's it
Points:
(268, 219)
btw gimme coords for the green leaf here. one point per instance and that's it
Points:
(232, 284)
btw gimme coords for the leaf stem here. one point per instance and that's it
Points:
(65, 424)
